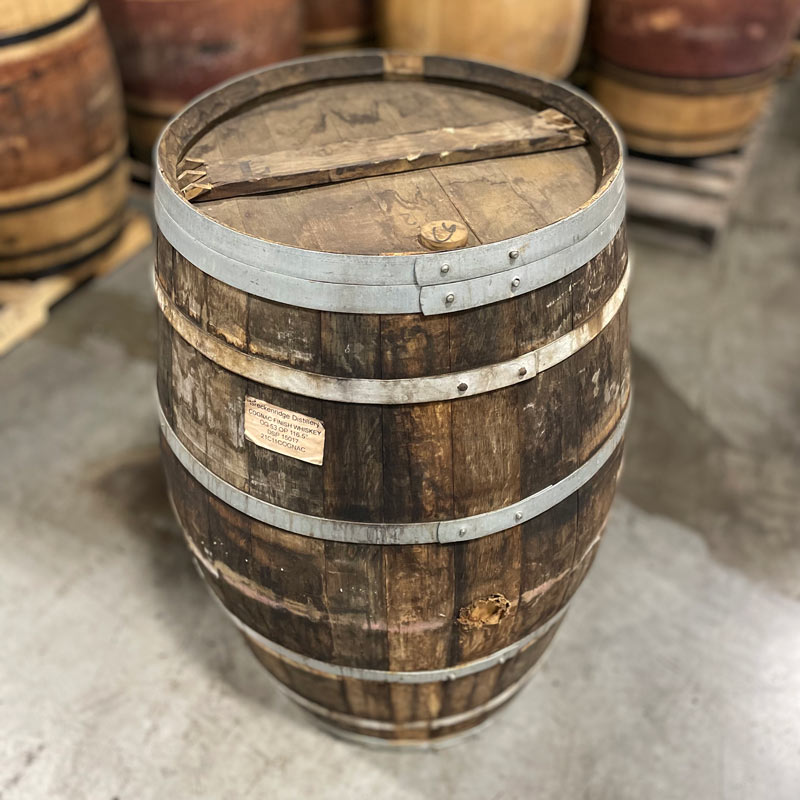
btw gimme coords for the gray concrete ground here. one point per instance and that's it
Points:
(676, 674)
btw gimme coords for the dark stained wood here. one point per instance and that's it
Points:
(406, 152)
(398, 607)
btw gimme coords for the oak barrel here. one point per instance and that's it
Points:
(338, 24)
(689, 77)
(62, 136)
(541, 36)
(169, 51)
(393, 391)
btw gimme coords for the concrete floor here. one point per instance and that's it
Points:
(676, 674)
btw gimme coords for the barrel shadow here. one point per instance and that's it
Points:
(136, 488)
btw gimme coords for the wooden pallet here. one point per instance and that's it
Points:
(25, 304)
(686, 201)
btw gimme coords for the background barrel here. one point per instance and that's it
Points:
(337, 24)
(171, 50)
(392, 461)
(541, 36)
(689, 78)
(62, 137)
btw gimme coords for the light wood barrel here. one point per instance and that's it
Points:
(171, 50)
(689, 78)
(393, 392)
(338, 24)
(62, 137)
(541, 36)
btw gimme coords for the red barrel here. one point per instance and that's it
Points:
(171, 50)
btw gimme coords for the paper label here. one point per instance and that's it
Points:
(283, 431)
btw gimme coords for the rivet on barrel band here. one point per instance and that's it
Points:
(433, 388)
(399, 284)
(444, 532)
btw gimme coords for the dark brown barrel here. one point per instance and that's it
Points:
(62, 137)
(691, 77)
(337, 24)
(541, 36)
(393, 391)
(171, 50)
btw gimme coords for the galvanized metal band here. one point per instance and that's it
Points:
(401, 284)
(415, 725)
(392, 392)
(393, 676)
(402, 745)
(386, 533)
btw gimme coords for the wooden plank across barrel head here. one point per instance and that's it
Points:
(62, 137)
(393, 401)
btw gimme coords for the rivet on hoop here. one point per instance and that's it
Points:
(445, 268)
(513, 254)
(518, 516)
(450, 298)
(522, 372)
(516, 282)
(462, 531)
(462, 387)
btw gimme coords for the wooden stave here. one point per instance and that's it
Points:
(505, 545)
(519, 39)
(192, 290)
(244, 608)
(385, 702)
(162, 69)
(710, 39)
(63, 198)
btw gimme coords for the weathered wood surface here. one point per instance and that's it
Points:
(171, 50)
(541, 36)
(397, 607)
(61, 139)
(694, 38)
(494, 199)
(389, 155)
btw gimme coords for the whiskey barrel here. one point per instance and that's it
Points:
(171, 50)
(541, 36)
(62, 137)
(689, 78)
(337, 24)
(393, 373)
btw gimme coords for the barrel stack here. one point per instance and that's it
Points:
(689, 78)
(171, 50)
(393, 390)
(62, 137)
